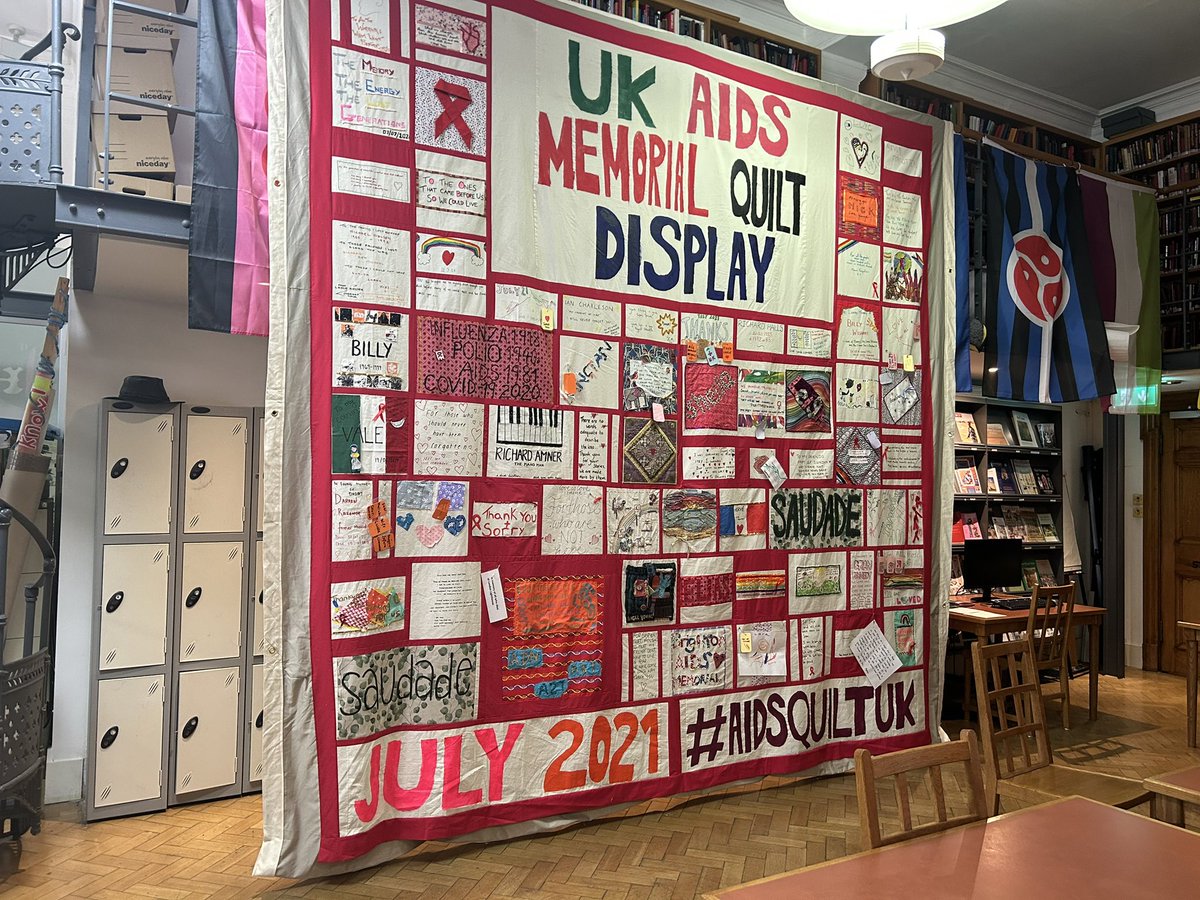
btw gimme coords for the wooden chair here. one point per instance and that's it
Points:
(1050, 633)
(1012, 718)
(868, 770)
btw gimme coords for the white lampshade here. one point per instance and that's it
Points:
(881, 16)
(904, 55)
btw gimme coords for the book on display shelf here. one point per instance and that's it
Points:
(966, 476)
(968, 432)
(1023, 428)
(1026, 483)
(997, 435)
(970, 526)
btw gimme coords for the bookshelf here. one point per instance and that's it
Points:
(716, 28)
(978, 120)
(1016, 505)
(1166, 156)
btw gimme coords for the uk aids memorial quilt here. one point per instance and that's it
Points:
(608, 391)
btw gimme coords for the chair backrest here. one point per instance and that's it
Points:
(870, 770)
(1050, 625)
(1012, 718)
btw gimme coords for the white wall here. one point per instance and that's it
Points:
(1081, 427)
(111, 337)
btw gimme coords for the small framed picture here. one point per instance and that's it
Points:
(1046, 435)
(1023, 428)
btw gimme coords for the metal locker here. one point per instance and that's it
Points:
(214, 474)
(210, 600)
(258, 473)
(137, 473)
(129, 740)
(256, 723)
(206, 729)
(257, 599)
(134, 590)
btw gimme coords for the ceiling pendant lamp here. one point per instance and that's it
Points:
(909, 46)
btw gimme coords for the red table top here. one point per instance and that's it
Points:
(1068, 848)
(1184, 784)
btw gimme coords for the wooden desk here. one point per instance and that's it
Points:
(1072, 847)
(1172, 791)
(1008, 620)
(1191, 635)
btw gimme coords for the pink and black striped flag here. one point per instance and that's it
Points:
(228, 268)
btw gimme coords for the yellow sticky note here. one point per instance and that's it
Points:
(747, 642)
(547, 318)
(909, 365)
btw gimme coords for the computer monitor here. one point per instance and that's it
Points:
(988, 564)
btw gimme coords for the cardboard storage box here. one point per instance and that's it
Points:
(139, 187)
(138, 144)
(149, 74)
(130, 30)
(183, 193)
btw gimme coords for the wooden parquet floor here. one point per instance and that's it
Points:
(669, 848)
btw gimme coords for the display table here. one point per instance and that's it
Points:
(1191, 636)
(1172, 791)
(1072, 847)
(985, 622)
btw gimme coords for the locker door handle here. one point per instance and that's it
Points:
(109, 737)
(260, 596)
(190, 727)
(119, 467)
(259, 720)
(193, 597)
(114, 601)
(197, 469)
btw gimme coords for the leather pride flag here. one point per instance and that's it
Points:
(228, 267)
(1045, 332)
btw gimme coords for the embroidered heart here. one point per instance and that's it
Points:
(740, 528)
(447, 257)
(429, 535)
(405, 521)
(860, 148)
(455, 524)
(718, 660)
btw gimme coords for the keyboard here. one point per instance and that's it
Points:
(1017, 603)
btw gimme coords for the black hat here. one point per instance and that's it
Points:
(142, 389)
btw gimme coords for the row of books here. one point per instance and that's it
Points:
(1023, 522)
(1015, 476)
(1155, 148)
(1171, 221)
(1005, 131)
(768, 51)
(654, 15)
(932, 106)
(1026, 432)
(674, 20)
(1063, 147)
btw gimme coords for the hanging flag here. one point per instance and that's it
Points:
(1045, 334)
(228, 260)
(962, 272)
(1123, 240)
